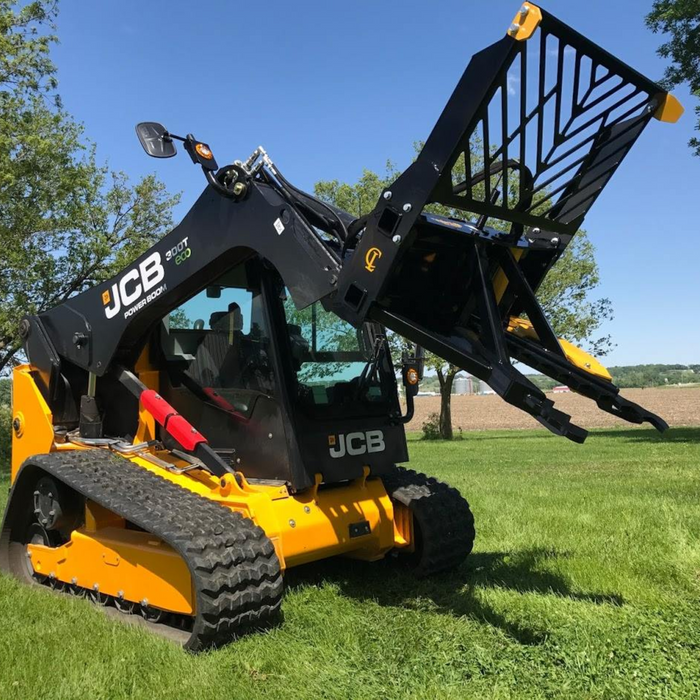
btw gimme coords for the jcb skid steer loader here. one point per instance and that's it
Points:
(226, 407)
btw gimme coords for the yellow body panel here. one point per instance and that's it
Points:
(303, 527)
(579, 358)
(314, 527)
(33, 416)
(123, 563)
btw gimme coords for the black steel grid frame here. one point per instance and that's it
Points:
(577, 113)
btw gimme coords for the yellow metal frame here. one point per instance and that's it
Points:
(670, 109)
(500, 279)
(29, 409)
(127, 564)
(303, 527)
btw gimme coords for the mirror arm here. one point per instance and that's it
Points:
(200, 154)
(408, 416)
(167, 136)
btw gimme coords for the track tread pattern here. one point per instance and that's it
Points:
(234, 567)
(444, 517)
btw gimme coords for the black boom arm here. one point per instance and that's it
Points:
(115, 317)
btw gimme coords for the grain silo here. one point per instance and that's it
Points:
(462, 385)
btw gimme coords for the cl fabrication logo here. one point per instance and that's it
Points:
(354, 444)
(371, 257)
(133, 290)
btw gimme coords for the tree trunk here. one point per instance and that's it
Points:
(446, 380)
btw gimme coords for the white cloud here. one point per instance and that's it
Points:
(512, 83)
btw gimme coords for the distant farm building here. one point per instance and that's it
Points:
(465, 384)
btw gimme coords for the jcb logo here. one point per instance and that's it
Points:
(373, 254)
(354, 444)
(133, 285)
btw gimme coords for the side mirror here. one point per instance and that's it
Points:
(156, 140)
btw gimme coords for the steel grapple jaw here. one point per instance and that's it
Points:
(456, 248)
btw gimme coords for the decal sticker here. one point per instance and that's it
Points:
(355, 444)
(132, 285)
(139, 286)
(179, 253)
(371, 257)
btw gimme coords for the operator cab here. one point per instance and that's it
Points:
(280, 402)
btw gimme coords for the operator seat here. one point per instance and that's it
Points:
(232, 363)
(215, 346)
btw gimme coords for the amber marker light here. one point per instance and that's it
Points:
(204, 151)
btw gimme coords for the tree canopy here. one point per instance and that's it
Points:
(66, 221)
(680, 20)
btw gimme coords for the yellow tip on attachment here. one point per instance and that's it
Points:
(525, 22)
(669, 109)
(577, 357)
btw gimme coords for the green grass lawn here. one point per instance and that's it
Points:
(585, 583)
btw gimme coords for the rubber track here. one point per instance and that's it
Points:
(236, 573)
(443, 515)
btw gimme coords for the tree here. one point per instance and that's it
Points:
(180, 319)
(681, 20)
(66, 222)
(360, 198)
(565, 293)
(5, 391)
(25, 66)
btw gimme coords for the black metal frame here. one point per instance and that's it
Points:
(220, 232)
(589, 145)
(479, 343)
(594, 122)
(596, 117)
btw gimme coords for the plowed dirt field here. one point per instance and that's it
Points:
(677, 406)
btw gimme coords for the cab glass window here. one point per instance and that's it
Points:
(336, 365)
(220, 343)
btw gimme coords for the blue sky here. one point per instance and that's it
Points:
(330, 88)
